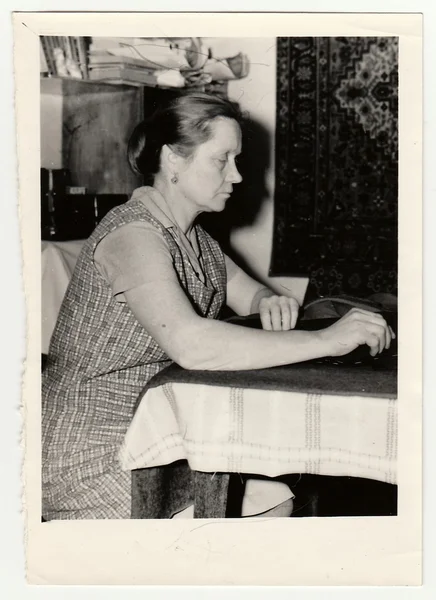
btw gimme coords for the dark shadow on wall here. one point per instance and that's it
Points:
(247, 198)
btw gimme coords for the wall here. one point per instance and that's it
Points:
(252, 212)
(51, 131)
(251, 239)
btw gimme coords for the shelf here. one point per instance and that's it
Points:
(66, 86)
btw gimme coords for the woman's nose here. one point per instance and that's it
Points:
(234, 175)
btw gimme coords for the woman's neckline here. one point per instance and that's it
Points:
(185, 221)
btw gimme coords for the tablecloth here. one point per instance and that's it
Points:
(233, 428)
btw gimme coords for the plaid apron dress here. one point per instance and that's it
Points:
(100, 359)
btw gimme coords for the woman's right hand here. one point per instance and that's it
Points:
(356, 328)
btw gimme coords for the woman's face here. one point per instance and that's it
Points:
(206, 179)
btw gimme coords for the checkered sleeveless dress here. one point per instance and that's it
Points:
(100, 358)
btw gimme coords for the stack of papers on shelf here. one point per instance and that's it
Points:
(106, 64)
(143, 61)
(163, 62)
(107, 67)
(154, 53)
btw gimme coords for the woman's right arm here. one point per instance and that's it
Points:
(136, 263)
(198, 343)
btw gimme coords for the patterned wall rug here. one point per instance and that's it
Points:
(336, 197)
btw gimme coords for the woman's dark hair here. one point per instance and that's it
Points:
(183, 124)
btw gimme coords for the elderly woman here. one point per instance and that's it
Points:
(147, 290)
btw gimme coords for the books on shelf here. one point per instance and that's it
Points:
(81, 50)
(48, 55)
(65, 56)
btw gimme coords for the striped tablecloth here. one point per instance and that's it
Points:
(244, 429)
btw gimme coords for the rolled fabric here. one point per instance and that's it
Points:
(222, 69)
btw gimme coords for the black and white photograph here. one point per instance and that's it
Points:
(219, 278)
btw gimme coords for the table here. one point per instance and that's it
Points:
(308, 418)
(58, 260)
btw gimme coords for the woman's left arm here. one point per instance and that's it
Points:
(246, 296)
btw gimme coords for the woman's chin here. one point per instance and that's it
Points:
(223, 201)
(217, 203)
(217, 206)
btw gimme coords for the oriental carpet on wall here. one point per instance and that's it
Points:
(336, 190)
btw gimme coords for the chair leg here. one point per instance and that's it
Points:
(210, 495)
(158, 491)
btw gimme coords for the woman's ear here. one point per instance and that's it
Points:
(171, 161)
(169, 157)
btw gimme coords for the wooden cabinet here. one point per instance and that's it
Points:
(96, 120)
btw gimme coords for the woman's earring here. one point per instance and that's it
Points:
(174, 178)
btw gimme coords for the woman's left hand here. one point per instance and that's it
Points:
(278, 313)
